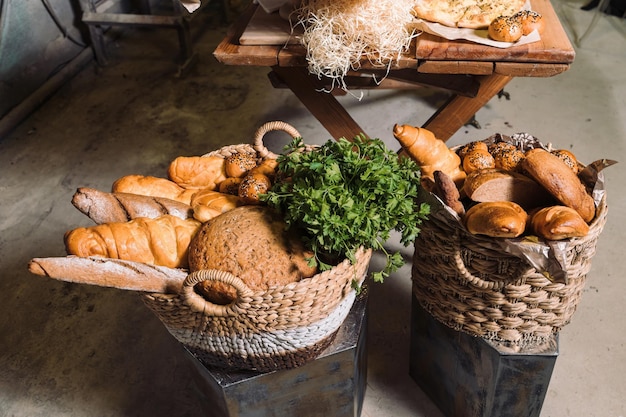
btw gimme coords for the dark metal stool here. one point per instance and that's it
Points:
(466, 376)
(333, 384)
(96, 22)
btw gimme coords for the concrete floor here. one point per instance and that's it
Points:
(77, 350)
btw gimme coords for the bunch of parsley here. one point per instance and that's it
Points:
(346, 194)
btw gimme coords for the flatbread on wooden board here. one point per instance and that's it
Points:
(472, 14)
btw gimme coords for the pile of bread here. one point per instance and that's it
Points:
(512, 28)
(205, 215)
(499, 190)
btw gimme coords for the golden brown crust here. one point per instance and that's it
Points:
(161, 241)
(508, 159)
(208, 204)
(530, 21)
(477, 159)
(430, 153)
(466, 13)
(568, 158)
(472, 146)
(197, 172)
(252, 186)
(549, 171)
(558, 223)
(239, 163)
(496, 219)
(230, 185)
(153, 187)
(505, 29)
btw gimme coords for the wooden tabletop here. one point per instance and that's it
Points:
(552, 55)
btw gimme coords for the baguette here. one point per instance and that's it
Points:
(162, 241)
(556, 177)
(102, 207)
(115, 273)
(153, 187)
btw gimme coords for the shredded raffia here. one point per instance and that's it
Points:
(339, 33)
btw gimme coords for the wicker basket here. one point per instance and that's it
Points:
(472, 284)
(283, 327)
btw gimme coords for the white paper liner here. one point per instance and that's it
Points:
(479, 36)
(191, 5)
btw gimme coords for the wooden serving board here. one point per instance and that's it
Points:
(269, 29)
(554, 46)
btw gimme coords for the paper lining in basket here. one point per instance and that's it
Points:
(547, 257)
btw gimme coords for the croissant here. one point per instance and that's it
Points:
(207, 204)
(104, 207)
(430, 153)
(162, 241)
(153, 187)
(197, 171)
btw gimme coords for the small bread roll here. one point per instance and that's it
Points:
(230, 185)
(268, 168)
(530, 21)
(549, 171)
(498, 147)
(567, 157)
(239, 163)
(505, 29)
(508, 159)
(496, 219)
(558, 223)
(253, 185)
(478, 159)
(471, 147)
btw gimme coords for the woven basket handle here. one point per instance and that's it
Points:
(268, 127)
(199, 304)
(473, 279)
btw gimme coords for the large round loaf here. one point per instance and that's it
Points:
(252, 243)
(556, 177)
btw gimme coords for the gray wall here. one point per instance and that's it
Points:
(37, 39)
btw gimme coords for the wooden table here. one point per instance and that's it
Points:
(471, 72)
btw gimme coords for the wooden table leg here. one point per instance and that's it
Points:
(321, 104)
(457, 111)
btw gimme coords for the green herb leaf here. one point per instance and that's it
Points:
(346, 194)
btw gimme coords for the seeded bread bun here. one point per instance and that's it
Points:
(530, 21)
(505, 29)
(252, 243)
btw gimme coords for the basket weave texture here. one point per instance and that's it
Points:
(283, 327)
(471, 284)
